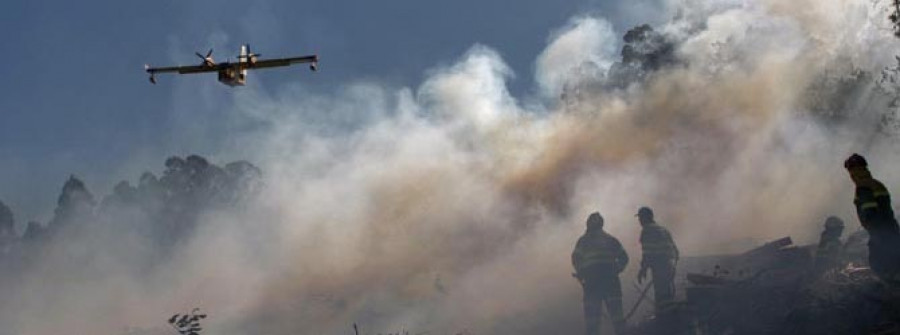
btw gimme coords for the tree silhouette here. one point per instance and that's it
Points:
(187, 324)
(895, 16)
(7, 222)
(75, 203)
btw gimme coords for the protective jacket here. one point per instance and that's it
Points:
(601, 250)
(660, 255)
(828, 252)
(873, 203)
(657, 245)
(598, 259)
(873, 207)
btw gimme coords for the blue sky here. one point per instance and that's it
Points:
(76, 100)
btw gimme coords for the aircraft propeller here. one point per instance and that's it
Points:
(206, 59)
(250, 53)
(202, 56)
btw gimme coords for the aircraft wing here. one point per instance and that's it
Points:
(185, 69)
(264, 63)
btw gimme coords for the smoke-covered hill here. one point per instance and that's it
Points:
(130, 232)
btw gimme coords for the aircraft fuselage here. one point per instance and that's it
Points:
(233, 76)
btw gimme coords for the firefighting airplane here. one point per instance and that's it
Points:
(233, 74)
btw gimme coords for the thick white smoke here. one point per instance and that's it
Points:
(454, 206)
(584, 49)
